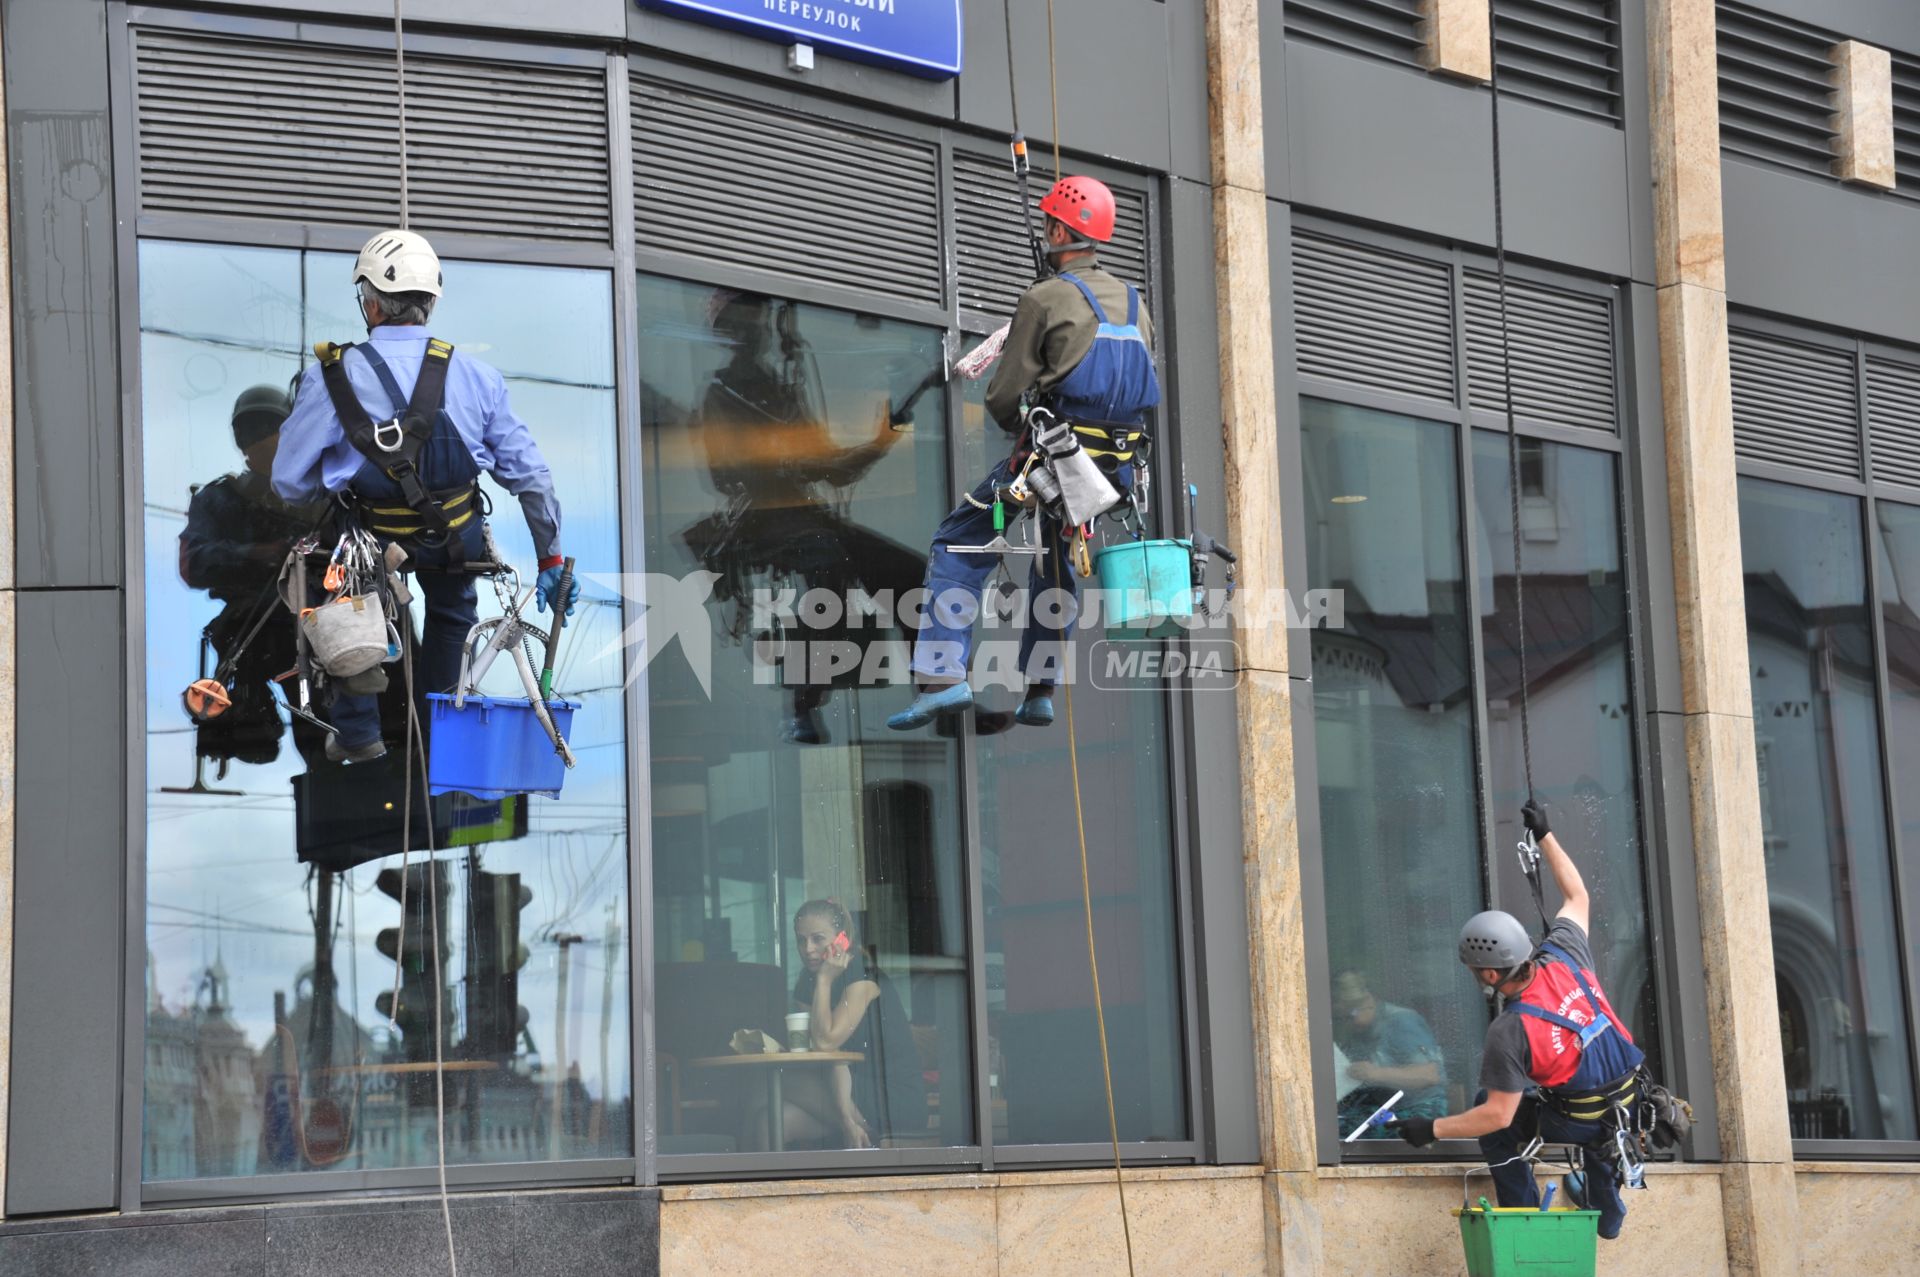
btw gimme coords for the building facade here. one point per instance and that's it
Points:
(1650, 368)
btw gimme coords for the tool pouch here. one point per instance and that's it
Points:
(1085, 491)
(347, 635)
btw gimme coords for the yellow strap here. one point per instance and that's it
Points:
(399, 511)
(396, 529)
(327, 352)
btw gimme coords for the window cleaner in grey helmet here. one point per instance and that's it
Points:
(407, 425)
(1559, 1064)
(1081, 346)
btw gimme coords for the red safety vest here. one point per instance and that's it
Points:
(1555, 1049)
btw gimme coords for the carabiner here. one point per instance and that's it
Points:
(381, 434)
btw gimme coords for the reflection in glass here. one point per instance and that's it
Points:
(273, 875)
(1393, 712)
(1823, 811)
(789, 458)
(1898, 544)
(1043, 1040)
(1579, 707)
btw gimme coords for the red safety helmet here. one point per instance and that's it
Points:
(1084, 205)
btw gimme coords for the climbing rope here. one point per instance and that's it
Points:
(1513, 433)
(400, 97)
(1093, 952)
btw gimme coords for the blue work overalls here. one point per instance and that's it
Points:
(451, 598)
(1114, 384)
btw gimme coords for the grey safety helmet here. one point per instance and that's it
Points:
(1495, 941)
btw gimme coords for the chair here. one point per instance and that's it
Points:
(697, 1007)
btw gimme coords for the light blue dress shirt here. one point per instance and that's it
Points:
(316, 458)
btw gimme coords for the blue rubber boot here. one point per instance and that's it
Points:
(1035, 711)
(928, 705)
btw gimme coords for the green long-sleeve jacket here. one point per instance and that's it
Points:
(1053, 329)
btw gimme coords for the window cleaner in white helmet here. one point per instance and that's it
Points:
(407, 425)
(1559, 1064)
(1077, 379)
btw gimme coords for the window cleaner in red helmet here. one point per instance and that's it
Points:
(1558, 1063)
(1081, 347)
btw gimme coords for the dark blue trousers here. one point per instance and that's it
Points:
(452, 604)
(1514, 1184)
(954, 583)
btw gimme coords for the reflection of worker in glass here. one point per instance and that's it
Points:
(764, 430)
(1388, 1048)
(851, 1007)
(238, 532)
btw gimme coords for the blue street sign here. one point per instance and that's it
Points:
(918, 36)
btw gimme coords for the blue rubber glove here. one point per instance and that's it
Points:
(550, 582)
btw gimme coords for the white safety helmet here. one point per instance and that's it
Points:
(399, 262)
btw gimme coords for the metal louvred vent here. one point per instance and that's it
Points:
(1775, 95)
(1562, 349)
(995, 265)
(1893, 421)
(1906, 125)
(285, 130)
(1388, 29)
(1563, 53)
(1373, 318)
(726, 181)
(1795, 405)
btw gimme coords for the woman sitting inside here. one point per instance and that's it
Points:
(851, 1007)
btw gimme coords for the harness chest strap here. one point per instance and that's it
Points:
(1586, 1105)
(394, 446)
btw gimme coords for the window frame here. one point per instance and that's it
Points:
(627, 260)
(1868, 492)
(1294, 387)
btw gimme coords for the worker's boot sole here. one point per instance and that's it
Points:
(367, 753)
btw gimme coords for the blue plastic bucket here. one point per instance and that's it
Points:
(494, 746)
(1147, 588)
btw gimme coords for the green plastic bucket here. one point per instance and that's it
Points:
(1146, 588)
(1525, 1241)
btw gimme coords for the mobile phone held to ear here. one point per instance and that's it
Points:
(841, 944)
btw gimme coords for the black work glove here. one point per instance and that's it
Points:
(1417, 1131)
(1534, 817)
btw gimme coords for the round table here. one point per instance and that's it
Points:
(772, 1065)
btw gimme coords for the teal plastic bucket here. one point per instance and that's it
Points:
(1146, 588)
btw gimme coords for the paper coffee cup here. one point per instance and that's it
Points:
(797, 1036)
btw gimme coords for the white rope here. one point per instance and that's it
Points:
(400, 97)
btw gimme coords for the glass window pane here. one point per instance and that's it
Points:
(772, 467)
(1393, 711)
(1836, 958)
(1044, 1044)
(1579, 706)
(272, 871)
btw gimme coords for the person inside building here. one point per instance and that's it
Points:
(407, 425)
(1081, 345)
(851, 1006)
(238, 532)
(1558, 1062)
(1388, 1048)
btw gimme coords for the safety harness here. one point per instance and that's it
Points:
(394, 447)
(1112, 388)
(1609, 1070)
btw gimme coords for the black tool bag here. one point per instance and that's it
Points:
(394, 446)
(1661, 1116)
